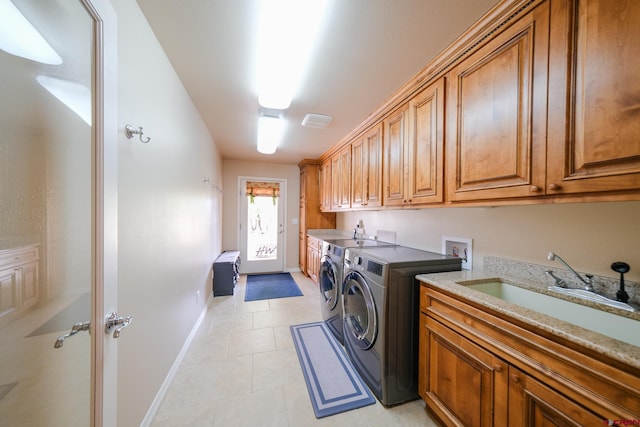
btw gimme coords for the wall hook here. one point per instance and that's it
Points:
(130, 132)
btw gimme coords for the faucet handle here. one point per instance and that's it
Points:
(559, 282)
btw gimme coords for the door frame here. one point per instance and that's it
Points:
(242, 221)
(105, 211)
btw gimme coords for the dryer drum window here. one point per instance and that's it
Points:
(328, 284)
(361, 319)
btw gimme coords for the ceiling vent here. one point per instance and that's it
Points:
(317, 121)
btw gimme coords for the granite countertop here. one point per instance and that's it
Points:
(329, 232)
(611, 347)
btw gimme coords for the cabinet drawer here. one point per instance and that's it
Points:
(18, 256)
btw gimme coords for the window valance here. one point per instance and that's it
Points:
(263, 189)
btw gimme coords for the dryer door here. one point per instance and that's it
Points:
(360, 317)
(329, 283)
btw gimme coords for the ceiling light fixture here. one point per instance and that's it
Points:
(287, 30)
(18, 37)
(76, 96)
(270, 130)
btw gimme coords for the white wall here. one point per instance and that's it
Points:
(169, 220)
(235, 168)
(589, 236)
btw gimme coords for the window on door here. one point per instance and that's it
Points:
(262, 219)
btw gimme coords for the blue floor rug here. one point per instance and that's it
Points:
(333, 383)
(271, 286)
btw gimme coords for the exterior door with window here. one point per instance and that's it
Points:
(262, 230)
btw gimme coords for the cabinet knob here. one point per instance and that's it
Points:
(554, 187)
(515, 378)
(497, 368)
(534, 189)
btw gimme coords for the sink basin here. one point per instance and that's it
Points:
(591, 296)
(612, 325)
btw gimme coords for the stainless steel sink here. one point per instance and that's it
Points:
(612, 325)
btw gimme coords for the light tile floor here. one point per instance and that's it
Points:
(242, 370)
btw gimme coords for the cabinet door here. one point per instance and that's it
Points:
(325, 185)
(358, 173)
(9, 287)
(600, 149)
(30, 286)
(373, 176)
(531, 403)
(341, 179)
(464, 385)
(497, 114)
(425, 155)
(394, 146)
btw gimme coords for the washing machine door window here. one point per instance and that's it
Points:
(328, 280)
(361, 320)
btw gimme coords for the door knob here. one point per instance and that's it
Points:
(78, 327)
(116, 323)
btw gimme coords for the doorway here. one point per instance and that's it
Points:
(262, 202)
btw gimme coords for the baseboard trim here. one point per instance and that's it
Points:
(155, 405)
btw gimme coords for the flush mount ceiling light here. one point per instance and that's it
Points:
(317, 121)
(76, 96)
(287, 31)
(270, 130)
(18, 37)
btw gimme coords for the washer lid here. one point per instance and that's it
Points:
(405, 255)
(357, 243)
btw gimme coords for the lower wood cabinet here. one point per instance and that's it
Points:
(314, 252)
(479, 368)
(19, 281)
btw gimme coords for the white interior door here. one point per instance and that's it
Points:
(57, 224)
(262, 225)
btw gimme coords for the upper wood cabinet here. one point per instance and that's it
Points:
(311, 216)
(425, 154)
(325, 185)
(497, 112)
(413, 150)
(539, 102)
(366, 166)
(394, 146)
(594, 90)
(341, 179)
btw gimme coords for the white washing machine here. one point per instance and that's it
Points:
(330, 278)
(380, 324)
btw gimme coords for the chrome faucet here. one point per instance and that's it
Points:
(587, 282)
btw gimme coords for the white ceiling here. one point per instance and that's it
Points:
(367, 50)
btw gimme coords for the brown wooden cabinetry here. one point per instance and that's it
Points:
(425, 153)
(414, 150)
(460, 381)
(325, 185)
(314, 252)
(341, 179)
(310, 215)
(542, 105)
(497, 111)
(482, 368)
(594, 90)
(366, 166)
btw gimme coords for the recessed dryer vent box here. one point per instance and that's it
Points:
(460, 247)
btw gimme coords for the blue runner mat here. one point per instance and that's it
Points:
(271, 286)
(333, 383)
